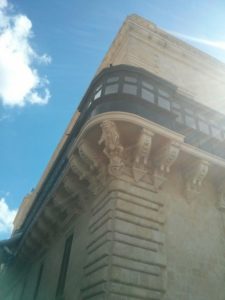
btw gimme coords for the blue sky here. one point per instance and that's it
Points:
(60, 45)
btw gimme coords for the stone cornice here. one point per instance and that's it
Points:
(124, 147)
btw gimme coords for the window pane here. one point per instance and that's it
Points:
(97, 95)
(163, 93)
(179, 118)
(147, 85)
(38, 282)
(203, 127)
(190, 121)
(176, 105)
(130, 79)
(164, 103)
(64, 266)
(189, 111)
(111, 89)
(130, 89)
(98, 88)
(147, 95)
(112, 79)
(203, 117)
(216, 132)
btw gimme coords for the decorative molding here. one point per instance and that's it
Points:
(81, 170)
(144, 160)
(72, 186)
(194, 177)
(163, 161)
(88, 154)
(113, 149)
(142, 152)
(78, 167)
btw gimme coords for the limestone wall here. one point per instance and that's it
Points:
(137, 244)
(194, 243)
(142, 44)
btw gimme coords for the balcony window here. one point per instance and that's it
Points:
(130, 89)
(148, 95)
(190, 121)
(98, 95)
(111, 89)
(163, 93)
(203, 126)
(179, 117)
(176, 105)
(98, 92)
(188, 111)
(164, 103)
(147, 85)
(112, 79)
(176, 108)
(130, 79)
(216, 133)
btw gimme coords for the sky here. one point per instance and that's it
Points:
(49, 52)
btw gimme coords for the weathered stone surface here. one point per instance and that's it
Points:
(124, 197)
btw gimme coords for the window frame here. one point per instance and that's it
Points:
(38, 282)
(64, 267)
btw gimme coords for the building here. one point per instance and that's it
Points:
(132, 203)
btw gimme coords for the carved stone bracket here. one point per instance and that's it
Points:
(113, 149)
(93, 160)
(71, 186)
(194, 177)
(143, 148)
(78, 167)
(163, 161)
(81, 170)
(77, 191)
(88, 154)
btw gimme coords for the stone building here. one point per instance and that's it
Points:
(132, 203)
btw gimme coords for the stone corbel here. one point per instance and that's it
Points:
(80, 169)
(76, 192)
(93, 160)
(72, 187)
(113, 149)
(88, 154)
(142, 152)
(163, 161)
(49, 214)
(194, 177)
(43, 229)
(34, 240)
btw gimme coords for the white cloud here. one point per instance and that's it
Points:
(20, 82)
(6, 216)
(204, 41)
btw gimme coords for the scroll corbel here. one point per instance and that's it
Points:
(142, 152)
(163, 162)
(194, 177)
(113, 148)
